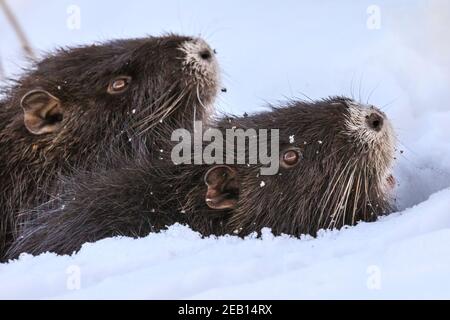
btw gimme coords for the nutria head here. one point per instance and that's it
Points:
(119, 87)
(78, 104)
(335, 159)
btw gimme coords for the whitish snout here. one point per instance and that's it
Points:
(200, 60)
(375, 120)
(369, 124)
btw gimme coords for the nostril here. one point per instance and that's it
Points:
(375, 121)
(205, 55)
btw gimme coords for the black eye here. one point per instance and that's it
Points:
(119, 85)
(290, 158)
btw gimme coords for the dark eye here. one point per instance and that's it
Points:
(119, 85)
(290, 158)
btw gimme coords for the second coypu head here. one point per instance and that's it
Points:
(335, 160)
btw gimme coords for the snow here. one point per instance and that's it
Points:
(314, 50)
(405, 255)
(291, 139)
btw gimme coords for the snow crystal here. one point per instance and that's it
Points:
(291, 139)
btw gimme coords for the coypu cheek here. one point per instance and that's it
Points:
(42, 112)
(222, 188)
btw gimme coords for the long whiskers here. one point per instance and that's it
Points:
(161, 113)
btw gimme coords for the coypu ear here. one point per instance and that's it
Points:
(223, 188)
(42, 112)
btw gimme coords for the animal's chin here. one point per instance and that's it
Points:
(205, 97)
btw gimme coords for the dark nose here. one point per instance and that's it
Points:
(206, 54)
(375, 121)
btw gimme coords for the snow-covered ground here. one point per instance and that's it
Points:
(406, 255)
(269, 51)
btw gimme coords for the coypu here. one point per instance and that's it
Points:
(335, 162)
(78, 104)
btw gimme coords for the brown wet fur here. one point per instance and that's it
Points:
(342, 178)
(165, 93)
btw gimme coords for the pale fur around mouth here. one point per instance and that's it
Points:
(206, 72)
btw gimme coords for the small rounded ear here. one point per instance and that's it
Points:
(42, 112)
(223, 187)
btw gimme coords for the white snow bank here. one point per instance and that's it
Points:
(405, 255)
